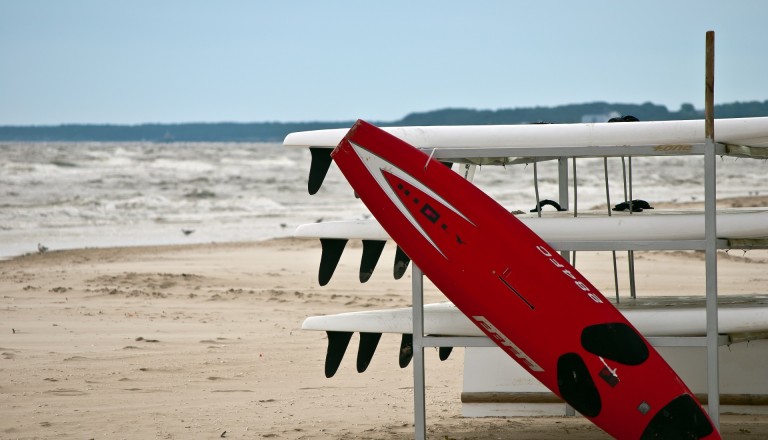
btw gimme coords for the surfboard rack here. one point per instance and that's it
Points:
(412, 346)
(332, 250)
(712, 341)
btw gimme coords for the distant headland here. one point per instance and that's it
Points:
(276, 131)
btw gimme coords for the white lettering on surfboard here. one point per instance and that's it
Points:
(506, 342)
(580, 284)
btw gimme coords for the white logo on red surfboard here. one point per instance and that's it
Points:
(504, 341)
(580, 284)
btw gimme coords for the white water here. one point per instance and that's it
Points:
(74, 195)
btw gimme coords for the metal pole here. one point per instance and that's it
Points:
(562, 181)
(575, 193)
(631, 208)
(630, 254)
(536, 187)
(575, 203)
(419, 398)
(624, 176)
(710, 233)
(613, 252)
(562, 171)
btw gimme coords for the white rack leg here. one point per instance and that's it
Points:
(419, 398)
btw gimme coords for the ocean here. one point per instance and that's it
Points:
(77, 195)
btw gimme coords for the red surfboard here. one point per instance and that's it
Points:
(519, 291)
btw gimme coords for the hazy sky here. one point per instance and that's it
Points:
(99, 61)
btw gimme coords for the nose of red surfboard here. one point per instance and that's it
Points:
(345, 140)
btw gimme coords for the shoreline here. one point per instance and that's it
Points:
(204, 340)
(745, 202)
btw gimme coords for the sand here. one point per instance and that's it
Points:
(203, 342)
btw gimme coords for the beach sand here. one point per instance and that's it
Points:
(203, 341)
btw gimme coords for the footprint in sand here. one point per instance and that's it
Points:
(66, 392)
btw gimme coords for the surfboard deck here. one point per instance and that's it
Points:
(510, 144)
(745, 228)
(666, 134)
(491, 266)
(563, 226)
(653, 316)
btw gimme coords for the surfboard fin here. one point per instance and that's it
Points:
(401, 263)
(368, 343)
(371, 252)
(444, 352)
(337, 345)
(406, 350)
(321, 162)
(331, 254)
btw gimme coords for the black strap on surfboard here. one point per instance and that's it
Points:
(547, 202)
(636, 205)
(368, 344)
(337, 346)
(371, 252)
(625, 118)
(321, 162)
(331, 254)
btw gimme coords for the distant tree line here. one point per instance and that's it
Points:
(575, 112)
(276, 131)
(188, 132)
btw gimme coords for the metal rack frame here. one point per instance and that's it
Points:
(709, 245)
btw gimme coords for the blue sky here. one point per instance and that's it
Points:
(81, 61)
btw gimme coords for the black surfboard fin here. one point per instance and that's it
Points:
(337, 345)
(401, 263)
(331, 254)
(368, 343)
(448, 164)
(444, 352)
(321, 162)
(406, 350)
(371, 252)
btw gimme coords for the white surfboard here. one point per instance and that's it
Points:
(739, 316)
(589, 226)
(669, 136)
(511, 144)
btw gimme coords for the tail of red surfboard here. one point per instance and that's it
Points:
(519, 291)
